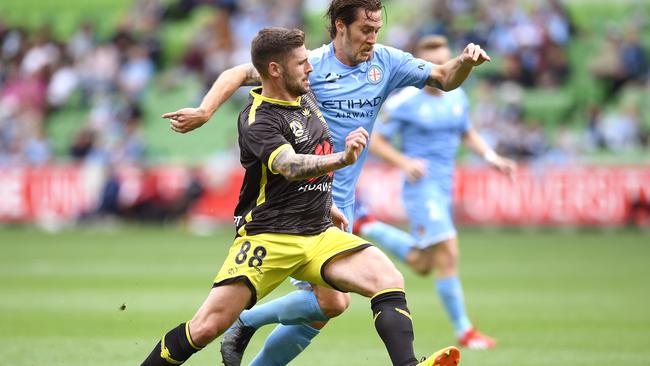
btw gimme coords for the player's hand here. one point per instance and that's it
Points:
(414, 169)
(355, 142)
(505, 166)
(474, 55)
(186, 119)
(338, 218)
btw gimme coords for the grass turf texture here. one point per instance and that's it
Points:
(550, 298)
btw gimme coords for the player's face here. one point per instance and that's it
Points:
(296, 72)
(438, 56)
(360, 36)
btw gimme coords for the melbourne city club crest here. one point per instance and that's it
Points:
(375, 74)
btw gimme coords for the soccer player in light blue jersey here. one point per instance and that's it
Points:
(431, 125)
(352, 77)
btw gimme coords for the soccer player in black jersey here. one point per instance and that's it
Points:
(283, 218)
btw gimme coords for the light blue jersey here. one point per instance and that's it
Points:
(431, 128)
(350, 97)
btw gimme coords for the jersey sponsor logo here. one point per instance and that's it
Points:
(299, 131)
(321, 149)
(375, 74)
(343, 107)
(351, 103)
(321, 187)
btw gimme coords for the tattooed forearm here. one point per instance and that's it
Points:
(299, 166)
(252, 76)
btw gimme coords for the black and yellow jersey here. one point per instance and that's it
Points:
(268, 202)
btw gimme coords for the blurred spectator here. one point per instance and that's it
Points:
(42, 53)
(633, 55)
(98, 71)
(528, 42)
(135, 73)
(63, 84)
(83, 144)
(82, 42)
(211, 51)
(620, 129)
(608, 64)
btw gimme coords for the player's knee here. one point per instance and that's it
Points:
(447, 260)
(334, 305)
(421, 262)
(422, 269)
(390, 278)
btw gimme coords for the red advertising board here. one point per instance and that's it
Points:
(28, 193)
(576, 195)
(545, 196)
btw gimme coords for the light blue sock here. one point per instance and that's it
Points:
(283, 344)
(451, 294)
(297, 307)
(396, 241)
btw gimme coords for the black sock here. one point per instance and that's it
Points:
(175, 348)
(393, 323)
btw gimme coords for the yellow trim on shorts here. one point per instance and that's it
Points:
(189, 337)
(275, 153)
(386, 291)
(166, 355)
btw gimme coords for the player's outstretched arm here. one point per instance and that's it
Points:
(473, 140)
(453, 73)
(187, 119)
(382, 148)
(302, 166)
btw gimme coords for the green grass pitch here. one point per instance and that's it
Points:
(550, 298)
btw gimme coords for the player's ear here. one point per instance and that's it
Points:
(340, 26)
(275, 70)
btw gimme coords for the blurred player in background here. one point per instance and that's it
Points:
(283, 217)
(431, 124)
(352, 77)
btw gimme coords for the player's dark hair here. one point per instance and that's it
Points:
(273, 45)
(346, 10)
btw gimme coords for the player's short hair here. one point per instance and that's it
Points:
(273, 45)
(430, 43)
(346, 10)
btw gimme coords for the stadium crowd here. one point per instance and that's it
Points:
(40, 74)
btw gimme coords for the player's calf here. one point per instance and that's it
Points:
(220, 309)
(174, 348)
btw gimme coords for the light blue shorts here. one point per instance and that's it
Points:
(429, 209)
